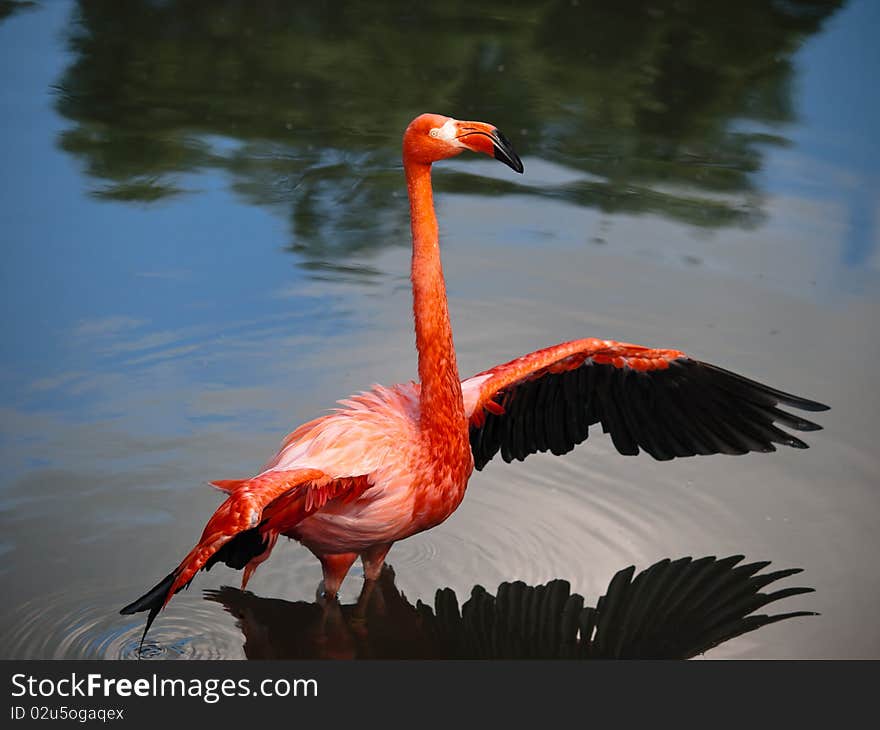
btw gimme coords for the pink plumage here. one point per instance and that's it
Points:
(391, 462)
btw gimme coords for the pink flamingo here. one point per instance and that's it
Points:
(395, 461)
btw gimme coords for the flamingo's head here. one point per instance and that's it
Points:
(432, 137)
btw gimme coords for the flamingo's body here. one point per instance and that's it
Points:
(395, 461)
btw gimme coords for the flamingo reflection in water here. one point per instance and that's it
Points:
(676, 609)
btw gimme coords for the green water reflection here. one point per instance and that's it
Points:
(660, 107)
(9, 8)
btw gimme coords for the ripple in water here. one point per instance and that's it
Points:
(418, 552)
(581, 517)
(87, 626)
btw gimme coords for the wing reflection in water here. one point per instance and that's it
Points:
(676, 609)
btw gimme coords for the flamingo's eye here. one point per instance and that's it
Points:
(447, 132)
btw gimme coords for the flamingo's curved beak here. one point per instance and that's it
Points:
(504, 151)
(482, 137)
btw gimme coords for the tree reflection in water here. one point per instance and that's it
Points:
(302, 105)
(676, 609)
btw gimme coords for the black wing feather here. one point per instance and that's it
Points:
(689, 408)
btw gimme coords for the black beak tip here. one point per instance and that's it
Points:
(512, 161)
(504, 152)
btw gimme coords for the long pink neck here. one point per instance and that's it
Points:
(442, 408)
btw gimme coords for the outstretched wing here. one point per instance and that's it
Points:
(660, 401)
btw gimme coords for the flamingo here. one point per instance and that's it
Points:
(395, 461)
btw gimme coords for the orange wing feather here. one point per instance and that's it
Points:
(244, 528)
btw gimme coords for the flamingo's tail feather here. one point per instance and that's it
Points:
(229, 485)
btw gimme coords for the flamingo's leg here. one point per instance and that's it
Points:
(373, 559)
(335, 569)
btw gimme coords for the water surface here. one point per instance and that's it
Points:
(205, 239)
